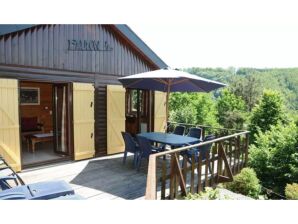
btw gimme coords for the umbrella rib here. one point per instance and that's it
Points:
(161, 81)
(180, 81)
(200, 87)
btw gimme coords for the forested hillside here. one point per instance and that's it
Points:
(282, 80)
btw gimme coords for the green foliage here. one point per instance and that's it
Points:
(231, 110)
(193, 108)
(267, 113)
(246, 183)
(291, 191)
(274, 156)
(208, 194)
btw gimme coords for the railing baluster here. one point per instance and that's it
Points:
(213, 165)
(238, 153)
(206, 168)
(246, 148)
(242, 145)
(219, 163)
(199, 170)
(230, 152)
(225, 148)
(172, 177)
(235, 156)
(185, 168)
(163, 179)
(192, 176)
(176, 184)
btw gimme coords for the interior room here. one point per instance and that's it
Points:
(43, 121)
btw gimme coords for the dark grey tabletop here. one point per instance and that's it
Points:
(169, 139)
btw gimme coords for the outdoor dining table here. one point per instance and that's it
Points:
(172, 140)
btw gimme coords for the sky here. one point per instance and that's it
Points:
(225, 33)
(196, 45)
(188, 33)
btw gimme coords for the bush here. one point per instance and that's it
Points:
(208, 194)
(291, 191)
(246, 183)
(274, 157)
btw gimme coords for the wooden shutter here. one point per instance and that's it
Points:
(83, 120)
(160, 111)
(115, 118)
(9, 123)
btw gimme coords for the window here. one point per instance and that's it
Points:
(133, 99)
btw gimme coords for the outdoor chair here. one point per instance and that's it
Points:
(195, 133)
(8, 176)
(203, 150)
(179, 130)
(38, 191)
(130, 146)
(146, 149)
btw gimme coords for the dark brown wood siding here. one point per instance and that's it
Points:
(40, 54)
(46, 46)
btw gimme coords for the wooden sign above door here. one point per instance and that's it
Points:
(88, 45)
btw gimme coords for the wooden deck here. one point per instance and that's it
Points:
(100, 178)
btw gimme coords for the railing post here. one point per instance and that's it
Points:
(151, 193)
(219, 163)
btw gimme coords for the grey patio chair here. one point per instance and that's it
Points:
(130, 146)
(179, 130)
(195, 133)
(146, 149)
(203, 150)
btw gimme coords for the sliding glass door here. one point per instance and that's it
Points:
(60, 98)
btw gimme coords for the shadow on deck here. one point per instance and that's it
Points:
(101, 178)
(113, 178)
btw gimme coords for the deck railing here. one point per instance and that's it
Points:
(172, 174)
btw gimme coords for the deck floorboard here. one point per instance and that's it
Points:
(100, 178)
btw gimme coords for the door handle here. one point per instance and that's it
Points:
(91, 104)
(91, 135)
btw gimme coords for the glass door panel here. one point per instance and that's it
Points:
(60, 118)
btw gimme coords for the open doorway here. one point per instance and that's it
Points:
(139, 107)
(44, 118)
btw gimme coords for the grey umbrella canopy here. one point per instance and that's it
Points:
(169, 80)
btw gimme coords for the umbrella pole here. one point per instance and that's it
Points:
(167, 107)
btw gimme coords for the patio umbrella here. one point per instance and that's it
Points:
(169, 80)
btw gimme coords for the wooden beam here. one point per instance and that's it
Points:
(181, 181)
(227, 166)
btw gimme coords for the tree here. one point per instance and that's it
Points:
(193, 108)
(267, 113)
(248, 88)
(231, 110)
